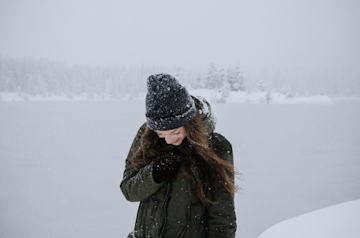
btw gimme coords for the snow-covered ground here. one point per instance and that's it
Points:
(61, 164)
(265, 97)
(336, 221)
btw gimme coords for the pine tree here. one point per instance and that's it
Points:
(221, 78)
(212, 80)
(260, 86)
(236, 79)
(197, 83)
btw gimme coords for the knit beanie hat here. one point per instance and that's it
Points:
(168, 103)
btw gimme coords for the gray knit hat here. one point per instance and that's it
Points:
(168, 103)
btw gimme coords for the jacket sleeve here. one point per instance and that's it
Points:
(138, 185)
(221, 216)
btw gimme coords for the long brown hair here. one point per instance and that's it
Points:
(199, 164)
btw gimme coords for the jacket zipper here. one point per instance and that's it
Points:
(165, 205)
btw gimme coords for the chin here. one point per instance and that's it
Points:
(177, 143)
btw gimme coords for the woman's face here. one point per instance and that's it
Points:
(173, 137)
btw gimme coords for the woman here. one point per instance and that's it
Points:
(179, 169)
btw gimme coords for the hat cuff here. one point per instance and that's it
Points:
(170, 123)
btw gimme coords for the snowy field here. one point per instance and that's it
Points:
(341, 220)
(211, 95)
(61, 164)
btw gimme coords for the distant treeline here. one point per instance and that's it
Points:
(30, 77)
(43, 77)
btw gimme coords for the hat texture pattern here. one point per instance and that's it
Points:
(168, 103)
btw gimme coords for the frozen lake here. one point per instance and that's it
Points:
(61, 164)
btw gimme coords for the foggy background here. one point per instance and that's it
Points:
(61, 162)
(301, 44)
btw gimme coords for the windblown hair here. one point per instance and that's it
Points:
(200, 162)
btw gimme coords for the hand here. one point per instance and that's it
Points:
(165, 165)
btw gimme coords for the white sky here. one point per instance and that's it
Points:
(267, 34)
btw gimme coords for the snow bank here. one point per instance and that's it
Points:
(265, 97)
(340, 220)
(9, 96)
(216, 96)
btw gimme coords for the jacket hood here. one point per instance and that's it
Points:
(204, 112)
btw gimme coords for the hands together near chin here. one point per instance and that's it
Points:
(165, 165)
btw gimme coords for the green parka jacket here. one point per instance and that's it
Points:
(166, 209)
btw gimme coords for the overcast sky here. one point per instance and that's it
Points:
(257, 34)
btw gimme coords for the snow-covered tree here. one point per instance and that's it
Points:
(236, 79)
(212, 79)
(197, 83)
(221, 78)
(260, 86)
